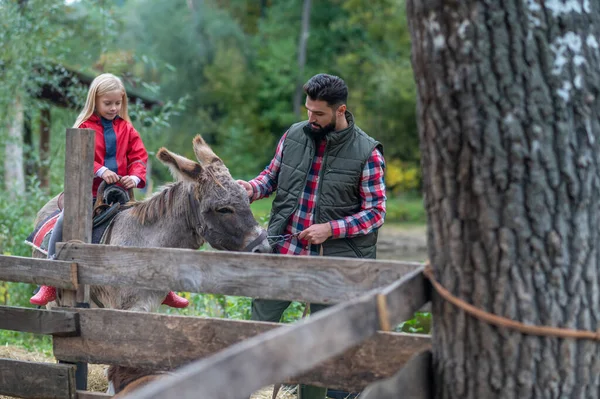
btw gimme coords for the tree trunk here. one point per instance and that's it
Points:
(45, 128)
(14, 172)
(30, 162)
(509, 125)
(304, 33)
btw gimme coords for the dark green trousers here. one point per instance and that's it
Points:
(272, 310)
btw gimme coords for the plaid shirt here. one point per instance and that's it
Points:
(369, 218)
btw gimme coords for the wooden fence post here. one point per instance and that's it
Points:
(79, 175)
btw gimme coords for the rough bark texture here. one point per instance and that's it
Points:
(509, 126)
(14, 171)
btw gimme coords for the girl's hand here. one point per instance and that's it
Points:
(110, 177)
(127, 182)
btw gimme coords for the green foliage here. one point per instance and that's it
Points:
(420, 324)
(229, 307)
(16, 220)
(405, 209)
(31, 342)
(16, 223)
(237, 60)
(22, 41)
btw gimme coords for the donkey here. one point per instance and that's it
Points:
(205, 204)
(124, 380)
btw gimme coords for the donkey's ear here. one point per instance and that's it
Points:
(181, 167)
(204, 153)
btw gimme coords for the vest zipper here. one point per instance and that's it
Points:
(302, 189)
(320, 177)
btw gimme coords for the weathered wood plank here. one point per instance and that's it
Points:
(36, 271)
(36, 380)
(79, 176)
(179, 340)
(92, 395)
(375, 358)
(38, 321)
(406, 296)
(241, 369)
(269, 276)
(413, 381)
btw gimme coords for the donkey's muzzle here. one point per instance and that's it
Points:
(260, 244)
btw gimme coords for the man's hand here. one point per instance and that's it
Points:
(127, 182)
(316, 234)
(110, 177)
(247, 187)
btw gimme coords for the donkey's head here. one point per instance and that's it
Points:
(220, 209)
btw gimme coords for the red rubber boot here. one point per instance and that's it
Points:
(44, 295)
(175, 301)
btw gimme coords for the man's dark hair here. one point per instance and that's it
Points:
(328, 88)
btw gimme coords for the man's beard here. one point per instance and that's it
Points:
(317, 131)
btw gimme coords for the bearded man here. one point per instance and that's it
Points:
(330, 193)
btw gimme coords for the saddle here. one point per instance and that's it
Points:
(110, 200)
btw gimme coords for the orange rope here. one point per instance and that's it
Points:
(500, 321)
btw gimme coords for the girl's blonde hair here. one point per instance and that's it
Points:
(105, 83)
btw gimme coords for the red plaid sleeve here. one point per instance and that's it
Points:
(372, 193)
(265, 183)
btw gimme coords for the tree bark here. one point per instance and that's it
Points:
(30, 162)
(14, 171)
(45, 129)
(509, 125)
(302, 44)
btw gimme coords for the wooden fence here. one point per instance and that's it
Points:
(342, 347)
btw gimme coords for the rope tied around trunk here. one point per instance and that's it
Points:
(499, 321)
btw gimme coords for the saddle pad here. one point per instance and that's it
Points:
(41, 234)
(40, 237)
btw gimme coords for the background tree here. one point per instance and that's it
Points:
(304, 34)
(508, 114)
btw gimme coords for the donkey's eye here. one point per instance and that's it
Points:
(225, 210)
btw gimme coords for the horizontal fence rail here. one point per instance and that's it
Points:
(325, 280)
(38, 321)
(37, 380)
(276, 355)
(178, 340)
(38, 271)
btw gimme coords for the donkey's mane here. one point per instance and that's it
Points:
(164, 202)
(160, 204)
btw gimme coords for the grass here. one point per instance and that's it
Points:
(31, 342)
(406, 209)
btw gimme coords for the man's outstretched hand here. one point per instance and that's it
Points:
(246, 186)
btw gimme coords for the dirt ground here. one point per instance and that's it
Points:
(402, 243)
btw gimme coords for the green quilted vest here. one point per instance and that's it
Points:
(338, 195)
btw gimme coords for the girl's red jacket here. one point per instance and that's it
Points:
(131, 154)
